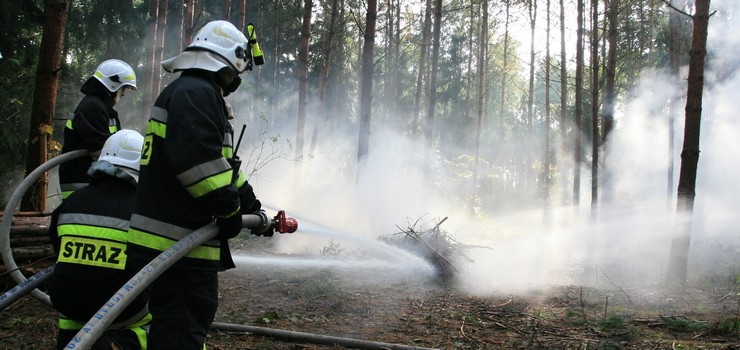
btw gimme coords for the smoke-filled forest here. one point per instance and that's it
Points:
(558, 142)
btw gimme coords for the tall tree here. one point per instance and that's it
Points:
(44, 99)
(422, 65)
(546, 171)
(677, 33)
(366, 86)
(563, 99)
(609, 85)
(578, 129)
(325, 70)
(677, 272)
(429, 121)
(504, 74)
(594, 105)
(303, 78)
(159, 52)
(482, 92)
(150, 66)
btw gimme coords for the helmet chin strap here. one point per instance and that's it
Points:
(117, 96)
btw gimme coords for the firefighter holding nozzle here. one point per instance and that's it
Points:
(89, 232)
(189, 178)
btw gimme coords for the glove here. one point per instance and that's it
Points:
(266, 230)
(247, 200)
(229, 227)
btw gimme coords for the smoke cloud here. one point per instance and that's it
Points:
(524, 251)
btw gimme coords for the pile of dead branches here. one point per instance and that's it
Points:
(433, 244)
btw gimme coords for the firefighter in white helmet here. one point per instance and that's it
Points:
(94, 120)
(189, 176)
(89, 232)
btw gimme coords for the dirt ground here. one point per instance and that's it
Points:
(422, 313)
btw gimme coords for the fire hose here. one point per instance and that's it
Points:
(118, 302)
(10, 208)
(92, 330)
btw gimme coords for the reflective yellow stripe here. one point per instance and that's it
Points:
(93, 232)
(209, 184)
(241, 180)
(69, 124)
(112, 129)
(157, 128)
(161, 244)
(140, 332)
(93, 252)
(66, 194)
(69, 325)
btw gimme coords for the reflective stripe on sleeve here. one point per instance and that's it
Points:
(206, 177)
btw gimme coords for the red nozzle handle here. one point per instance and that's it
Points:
(285, 224)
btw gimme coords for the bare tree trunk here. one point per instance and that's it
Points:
(677, 57)
(303, 78)
(366, 86)
(504, 75)
(243, 14)
(181, 25)
(189, 23)
(226, 9)
(530, 94)
(563, 103)
(274, 98)
(469, 77)
(157, 69)
(429, 121)
(578, 130)
(324, 83)
(482, 69)
(609, 89)
(677, 272)
(151, 68)
(546, 172)
(422, 66)
(45, 99)
(594, 106)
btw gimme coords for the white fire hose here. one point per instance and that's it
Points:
(92, 330)
(10, 208)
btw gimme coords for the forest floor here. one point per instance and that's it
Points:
(427, 314)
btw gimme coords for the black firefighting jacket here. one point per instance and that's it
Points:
(185, 179)
(93, 121)
(89, 233)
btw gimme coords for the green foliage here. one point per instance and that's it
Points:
(267, 317)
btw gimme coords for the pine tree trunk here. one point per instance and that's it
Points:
(563, 103)
(303, 78)
(594, 106)
(578, 130)
(44, 99)
(429, 120)
(422, 66)
(366, 86)
(482, 93)
(677, 272)
(325, 70)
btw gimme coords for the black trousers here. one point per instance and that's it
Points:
(183, 304)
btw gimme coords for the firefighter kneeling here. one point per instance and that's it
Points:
(89, 234)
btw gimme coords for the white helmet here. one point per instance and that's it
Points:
(123, 149)
(225, 40)
(115, 73)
